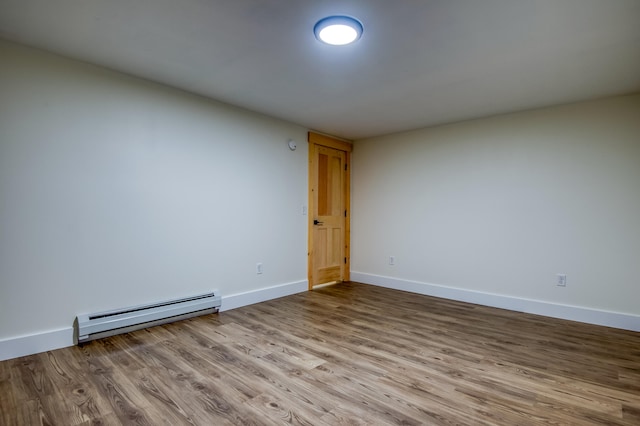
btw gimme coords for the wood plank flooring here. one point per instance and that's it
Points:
(349, 354)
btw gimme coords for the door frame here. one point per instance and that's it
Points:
(314, 140)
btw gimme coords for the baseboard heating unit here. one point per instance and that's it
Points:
(103, 324)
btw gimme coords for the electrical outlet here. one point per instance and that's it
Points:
(392, 260)
(258, 268)
(561, 280)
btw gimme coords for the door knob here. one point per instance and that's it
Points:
(316, 222)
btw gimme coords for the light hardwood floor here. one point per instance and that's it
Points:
(346, 354)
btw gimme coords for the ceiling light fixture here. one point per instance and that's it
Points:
(338, 30)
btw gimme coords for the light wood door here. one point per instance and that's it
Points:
(328, 210)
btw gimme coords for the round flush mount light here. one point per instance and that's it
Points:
(338, 30)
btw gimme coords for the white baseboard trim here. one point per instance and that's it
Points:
(554, 310)
(34, 343)
(55, 339)
(238, 300)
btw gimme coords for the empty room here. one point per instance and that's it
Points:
(320, 212)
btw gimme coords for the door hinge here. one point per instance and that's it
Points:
(345, 167)
(345, 213)
(345, 260)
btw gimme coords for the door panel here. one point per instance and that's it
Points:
(328, 213)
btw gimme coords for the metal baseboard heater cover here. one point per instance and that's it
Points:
(103, 324)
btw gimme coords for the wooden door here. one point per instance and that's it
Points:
(328, 210)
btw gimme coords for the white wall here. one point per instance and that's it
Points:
(115, 191)
(499, 206)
